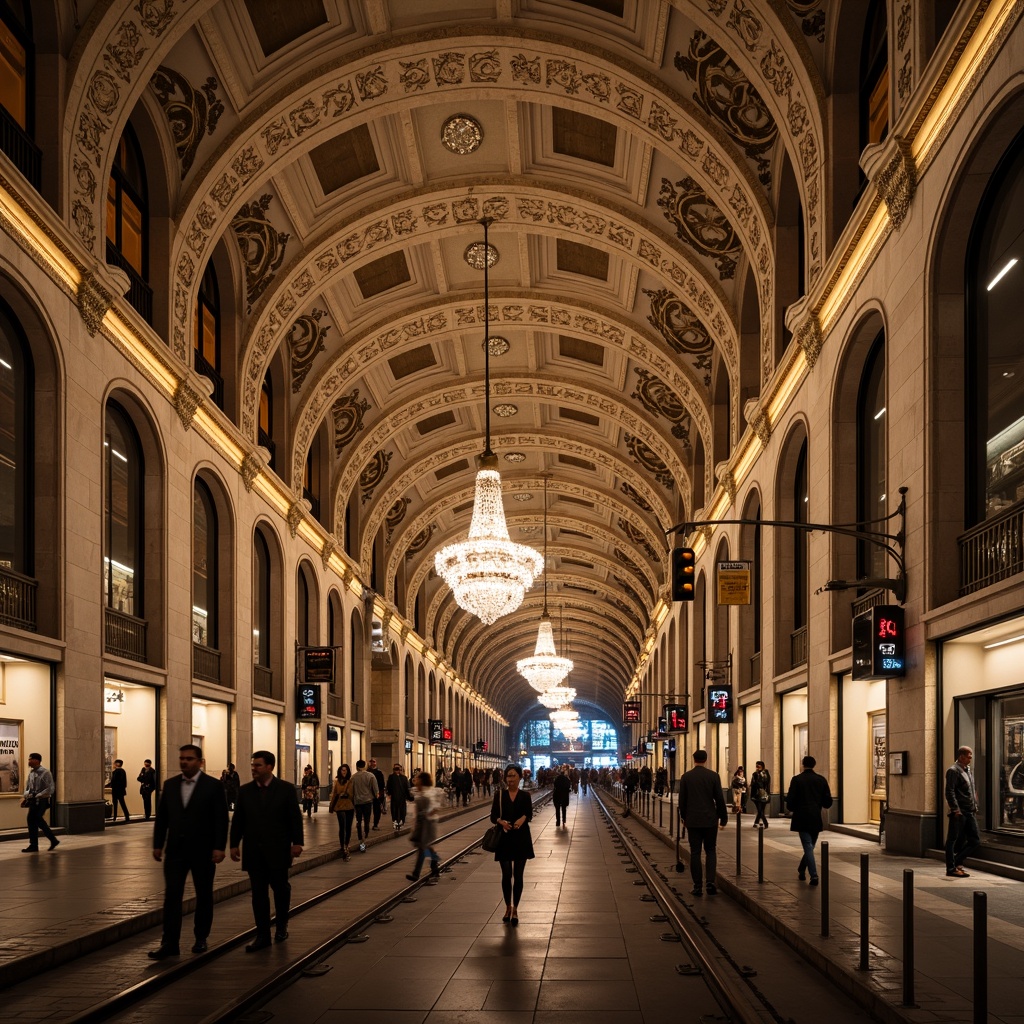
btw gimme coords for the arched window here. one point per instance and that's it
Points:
(311, 477)
(335, 633)
(871, 458)
(995, 351)
(266, 427)
(261, 602)
(123, 514)
(801, 500)
(206, 333)
(17, 81)
(16, 450)
(302, 608)
(127, 217)
(204, 567)
(874, 76)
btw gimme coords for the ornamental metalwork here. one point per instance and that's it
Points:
(700, 223)
(305, 341)
(262, 247)
(660, 400)
(728, 96)
(191, 113)
(648, 459)
(373, 472)
(462, 134)
(347, 413)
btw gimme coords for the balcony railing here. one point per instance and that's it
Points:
(872, 599)
(17, 598)
(24, 153)
(354, 714)
(992, 550)
(205, 663)
(140, 295)
(125, 635)
(798, 647)
(205, 369)
(262, 681)
(755, 669)
(265, 442)
(335, 705)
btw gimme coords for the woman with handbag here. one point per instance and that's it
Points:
(424, 832)
(739, 791)
(342, 805)
(761, 793)
(512, 810)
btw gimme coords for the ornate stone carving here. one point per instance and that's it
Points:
(700, 223)
(660, 400)
(93, 302)
(897, 181)
(191, 113)
(728, 481)
(347, 413)
(326, 551)
(643, 455)
(262, 247)
(762, 427)
(373, 472)
(186, 401)
(809, 338)
(296, 513)
(305, 341)
(252, 466)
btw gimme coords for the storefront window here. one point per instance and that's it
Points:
(122, 514)
(15, 448)
(871, 458)
(1010, 722)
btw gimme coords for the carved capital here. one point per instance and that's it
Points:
(326, 551)
(186, 402)
(252, 466)
(809, 338)
(296, 511)
(728, 481)
(348, 575)
(762, 427)
(93, 302)
(897, 181)
(403, 633)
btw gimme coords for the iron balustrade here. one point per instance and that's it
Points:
(798, 647)
(125, 635)
(205, 663)
(207, 369)
(140, 295)
(17, 599)
(992, 550)
(23, 152)
(262, 681)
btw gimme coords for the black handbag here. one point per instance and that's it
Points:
(492, 837)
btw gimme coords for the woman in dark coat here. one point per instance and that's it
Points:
(399, 794)
(513, 811)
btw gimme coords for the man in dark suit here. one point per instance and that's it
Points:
(192, 818)
(807, 796)
(267, 825)
(119, 788)
(702, 811)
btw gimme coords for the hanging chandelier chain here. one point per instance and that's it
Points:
(486, 221)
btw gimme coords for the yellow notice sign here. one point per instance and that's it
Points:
(734, 582)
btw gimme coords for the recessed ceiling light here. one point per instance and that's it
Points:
(1001, 643)
(462, 134)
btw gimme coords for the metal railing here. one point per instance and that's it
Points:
(24, 153)
(207, 369)
(205, 663)
(140, 295)
(992, 550)
(798, 647)
(262, 681)
(17, 599)
(125, 635)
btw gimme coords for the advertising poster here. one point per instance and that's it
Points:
(11, 780)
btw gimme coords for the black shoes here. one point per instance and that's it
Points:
(712, 889)
(162, 953)
(280, 935)
(696, 891)
(413, 878)
(54, 843)
(814, 880)
(435, 870)
(801, 876)
(31, 849)
(200, 946)
(260, 942)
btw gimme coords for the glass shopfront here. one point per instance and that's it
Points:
(211, 730)
(25, 726)
(265, 733)
(864, 751)
(795, 741)
(129, 734)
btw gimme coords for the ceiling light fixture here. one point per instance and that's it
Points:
(498, 345)
(488, 573)
(557, 697)
(545, 670)
(462, 134)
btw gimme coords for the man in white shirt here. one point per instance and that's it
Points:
(38, 791)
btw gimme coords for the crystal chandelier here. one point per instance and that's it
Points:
(488, 573)
(545, 670)
(557, 696)
(565, 719)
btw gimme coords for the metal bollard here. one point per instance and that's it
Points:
(760, 854)
(908, 938)
(864, 912)
(739, 847)
(980, 958)
(824, 890)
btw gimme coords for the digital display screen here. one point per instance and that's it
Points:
(677, 717)
(308, 702)
(436, 730)
(631, 712)
(318, 665)
(720, 703)
(879, 645)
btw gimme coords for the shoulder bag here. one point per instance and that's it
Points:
(492, 837)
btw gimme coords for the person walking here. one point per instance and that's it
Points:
(512, 809)
(739, 791)
(702, 812)
(807, 797)
(399, 795)
(760, 793)
(267, 827)
(561, 788)
(364, 796)
(424, 832)
(962, 836)
(36, 798)
(380, 801)
(147, 784)
(190, 835)
(119, 789)
(232, 783)
(310, 790)
(630, 780)
(342, 805)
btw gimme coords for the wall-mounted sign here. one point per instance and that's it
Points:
(446, 735)
(307, 702)
(720, 704)
(677, 717)
(318, 665)
(435, 728)
(734, 582)
(879, 645)
(631, 712)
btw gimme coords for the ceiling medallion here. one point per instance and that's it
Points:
(515, 456)
(498, 345)
(488, 573)
(480, 255)
(522, 496)
(462, 134)
(506, 409)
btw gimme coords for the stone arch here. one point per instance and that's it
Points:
(227, 569)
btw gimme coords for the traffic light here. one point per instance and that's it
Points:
(683, 560)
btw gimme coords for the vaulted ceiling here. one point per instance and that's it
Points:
(632, 156)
